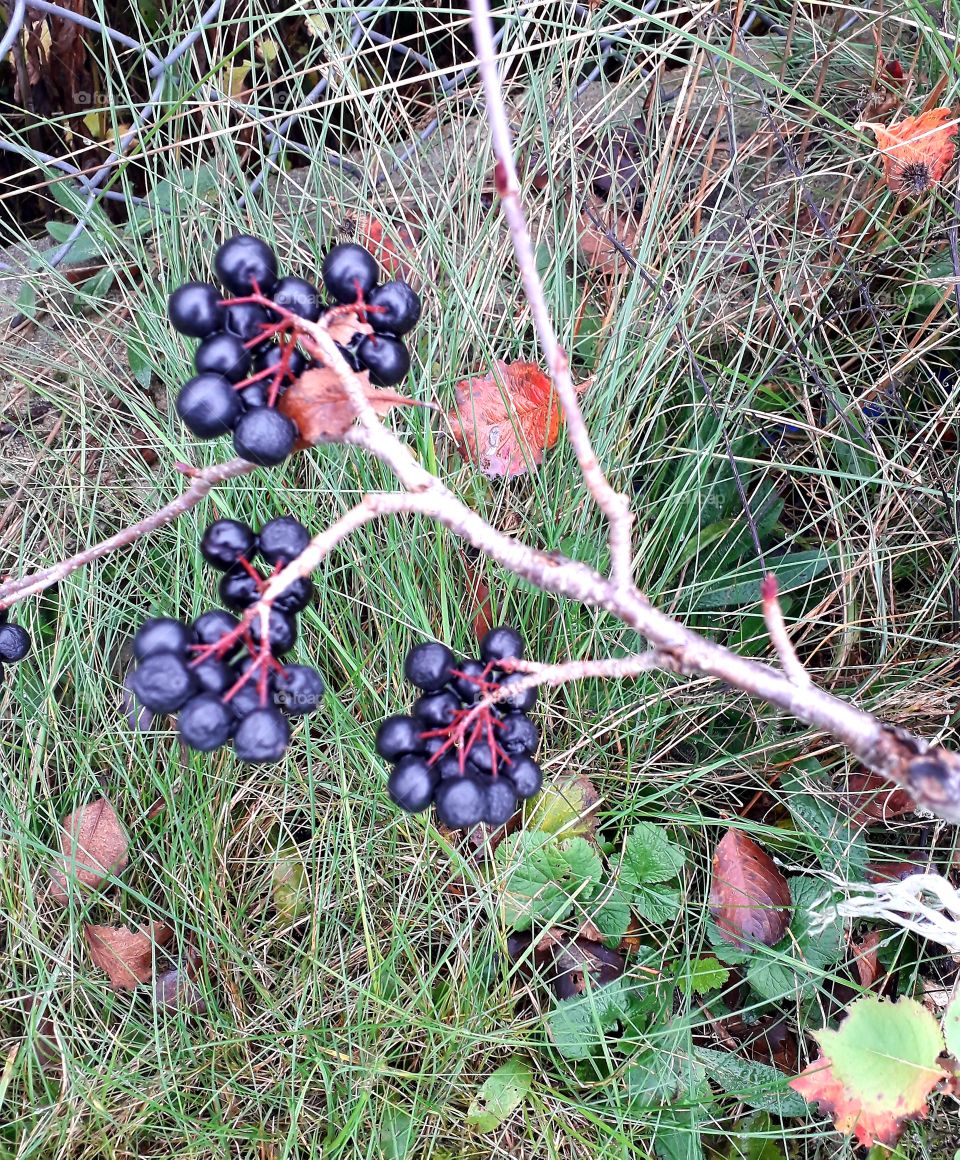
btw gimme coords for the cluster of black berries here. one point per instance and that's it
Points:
(219, 674)
(14, 641)
(248, 352)
(472, 760)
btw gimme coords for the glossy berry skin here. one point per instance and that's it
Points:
(349, 352)
(246, 321)
(261, 736)
(161, 634)
(14, 642)
(519, 734)
(162, 683)
(500, 801)
(196, 309)
(238, 589)
(501, 643)
(295, 598)
(411, 784)
(205, 722)
(398, 736)
(256, 395)
(242, 261)
(480, 755)
(348, 269)
(299, 296)
(209, 406)
(223, 354)
(281, 631)
(213, 676)
(399, 308)
(264, 436)
(385, 357)
(213, 625)
(225, 541)
(526, 776)
(270, 356)
(468, 691)
(245, 700)
(282, 539)
(519, 702)
(434, 710)
(460, 802)
(428, 666)
(299, 690)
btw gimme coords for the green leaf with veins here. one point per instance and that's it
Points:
(545, 878)
(650, 856)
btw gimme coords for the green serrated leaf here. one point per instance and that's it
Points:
(656, 903)
(758, 1085)
(577, 1026)
(610, 914)
(677, 1144)
(792, 967)
(832, 838)
(139, 361)
(566, 806)
(705, 974)
(650, 856)
(742, 587)
(544, 877)
(398, 1133)
(667, 1071)
(501, 1093)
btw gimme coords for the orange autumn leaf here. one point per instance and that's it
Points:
(506, 420)
(916, 151)
(319, 405)
(126, 955)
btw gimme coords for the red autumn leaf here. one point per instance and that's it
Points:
(126, 955)
(506, 419)
(916, 151)
(93, 843)
(395, 246)
(319, 405)
(872, 798)
(749, 897)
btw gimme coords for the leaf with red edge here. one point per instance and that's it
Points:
(318, 404)
(877, 1070)
(916, 151)
(749, 897)
(126, 955)
(93, 843)
(504, 421)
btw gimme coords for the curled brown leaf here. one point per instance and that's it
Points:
(93, 844)
(126, 955)
(749, 897)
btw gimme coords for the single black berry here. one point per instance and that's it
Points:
(481, 756)
(282, 539)
(435, 710)
(349, 271)
(162, 683)
(411, 784)
(246, 320)
(519, 734)
(246, 699)
(225, 541)
(261, 736)
(448, 765)
(385, 357)
(299, 690)
(299, 296)
(208, 405)
(398, 736)
(213, 676)
(265, 676)
(205, 722)
(256, 395)
(520, 702)
(161, 634)
(271, 356)
(295, 598)
(214, 625)
(223, 354)
(264, 436)
(432, 745)
(14, 642)
(238, 588)
(196, 309)
(399, 308)
(281, 632)
(428, 665)
(500, 801)
(460, 802)
(501, 643)
(242, 261)
(468, 690)
(526, 776)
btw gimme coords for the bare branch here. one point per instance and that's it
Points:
(773, 615)
(614, 505)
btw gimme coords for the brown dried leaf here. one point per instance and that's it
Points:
(504, 419)
(866, 958)
(576, 960)
(917, 151)
(872, 798)
(749, 897)
(126, 955)
(599, 251)
(319, 405)
(94, 845)
(395, 246)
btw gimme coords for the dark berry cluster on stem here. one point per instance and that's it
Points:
(472, 761)
(222, 675)
(14, 641)
(248, 353)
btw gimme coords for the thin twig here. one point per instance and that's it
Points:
(776, 627)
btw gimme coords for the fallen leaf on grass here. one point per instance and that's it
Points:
(500, 1095)
(566, 806)
(395, 246)
(877, 1070)
(94, 844)
(319, 405)
(872, 798)
(504, 421)
(916, 151)
(749, 897)
(578, 963)
(126, 955)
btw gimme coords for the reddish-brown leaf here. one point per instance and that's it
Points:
(917, 151)
(749, 897)
(319, 405)
(866, 958)
(395, 246)
(505, 420)
(94, 844)
(872, 798)
(126, 955)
